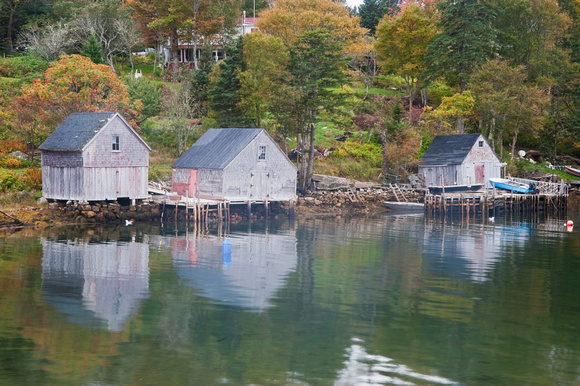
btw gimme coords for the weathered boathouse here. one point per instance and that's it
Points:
(237, 165)
(459, 160)
(95, 157)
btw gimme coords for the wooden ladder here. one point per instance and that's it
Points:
(396, 189)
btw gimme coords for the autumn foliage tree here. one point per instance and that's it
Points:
(70, 85)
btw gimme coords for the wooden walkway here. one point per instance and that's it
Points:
(200, 211)
(550, 197)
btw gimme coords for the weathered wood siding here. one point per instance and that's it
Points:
(469, 172)
(110, 174)
(62, 175)
(210, 183)
(248, 178)
(482, 157)
(99, 172)
(112, 183)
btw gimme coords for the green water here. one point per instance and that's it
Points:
(385, 300)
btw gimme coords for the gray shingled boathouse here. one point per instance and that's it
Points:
(459, 160)
(237, 165)
(95, 157)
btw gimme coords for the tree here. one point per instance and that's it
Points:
(266, 58)
(316, 64)
(402, 45)
(72, 84)
(93, 50)
(49, 42)
(224, 89)
(467, 39)
(504, 99)
(111, 24)
(372, 11)
(289, 19)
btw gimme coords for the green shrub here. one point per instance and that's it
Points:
(10, 182)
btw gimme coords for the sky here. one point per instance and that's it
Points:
(354, 3)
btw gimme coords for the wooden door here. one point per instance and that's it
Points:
(192, 186)
(479, 176)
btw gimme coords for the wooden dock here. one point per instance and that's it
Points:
(203, 210)
(550, 198)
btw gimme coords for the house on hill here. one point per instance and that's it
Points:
(95, 157)
(459, 160)
(243, 165)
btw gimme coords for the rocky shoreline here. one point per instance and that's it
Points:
(323, 203)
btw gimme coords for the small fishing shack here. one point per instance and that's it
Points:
(237, 165)
(459, 160)
(95, 157)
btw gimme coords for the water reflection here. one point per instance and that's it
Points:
(246, 273)
(95, 284)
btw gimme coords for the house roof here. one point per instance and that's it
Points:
(216, 148)
(76, 131)
(449, 149)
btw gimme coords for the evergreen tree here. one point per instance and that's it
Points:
(224, 97)
(466, 40)
(372, 11)
(93, 50)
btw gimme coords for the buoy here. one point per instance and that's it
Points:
(570, 223)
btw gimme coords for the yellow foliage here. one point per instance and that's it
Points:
(291, 18)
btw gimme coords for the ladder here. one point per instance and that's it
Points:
(396, 189)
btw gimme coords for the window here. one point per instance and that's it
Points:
(261, 153)
(480, 143)
(116, 143)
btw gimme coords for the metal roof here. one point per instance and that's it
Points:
(216, 148)
(76, 131)
(449, 149)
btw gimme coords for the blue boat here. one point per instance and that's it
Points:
(512, 186)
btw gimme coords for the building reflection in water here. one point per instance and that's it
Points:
(248, 276)
(98, 285)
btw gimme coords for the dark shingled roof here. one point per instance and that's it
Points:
(449, 149)
(76, 131)
(216, 148)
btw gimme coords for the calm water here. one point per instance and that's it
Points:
(387, 300)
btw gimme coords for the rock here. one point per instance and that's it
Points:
(18, 154)
(90, 214)
(42, 201)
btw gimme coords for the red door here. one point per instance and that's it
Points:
(192, 183)
(479, 174)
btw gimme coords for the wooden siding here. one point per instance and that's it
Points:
(248, 178)
(99, 173)
(62, 183)
(478, 159)
(62, 158)
(132, 151)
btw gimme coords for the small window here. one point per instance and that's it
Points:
(261, 153)
(116, 143)
(480, 143)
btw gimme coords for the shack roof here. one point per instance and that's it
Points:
(78, 129)
(449, 149)
(216, 148)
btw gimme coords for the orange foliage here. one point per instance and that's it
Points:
(11, 163)
(7, 146)
(33, 178)
(72, 84)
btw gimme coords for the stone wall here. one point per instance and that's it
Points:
(367, 200)
(105, 212)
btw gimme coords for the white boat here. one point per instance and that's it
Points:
(405, 206)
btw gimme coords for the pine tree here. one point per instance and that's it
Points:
(93, 50)
(466, 40)
(372, 11)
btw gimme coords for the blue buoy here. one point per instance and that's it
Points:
(227, 252)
